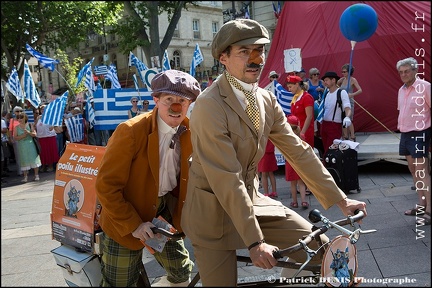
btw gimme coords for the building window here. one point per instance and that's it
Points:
(99, 39)
(215, 28)
(101, 60)
(112, 36)
(196, 30)
(177, 59)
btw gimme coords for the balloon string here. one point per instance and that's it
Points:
(350, 67)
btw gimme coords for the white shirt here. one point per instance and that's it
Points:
(330, 103)
(168, 158)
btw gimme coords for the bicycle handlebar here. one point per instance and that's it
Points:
(316, 216)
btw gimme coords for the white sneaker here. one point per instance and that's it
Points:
(37, 178)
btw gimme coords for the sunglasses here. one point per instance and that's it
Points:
(315, 74)
(146, 103)
(134, 101)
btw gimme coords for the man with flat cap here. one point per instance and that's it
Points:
(143, 175)
(230, 125)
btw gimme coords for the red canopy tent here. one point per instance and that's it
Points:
(403, 31)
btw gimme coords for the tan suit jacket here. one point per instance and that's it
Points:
(222, 203)
(128, 181)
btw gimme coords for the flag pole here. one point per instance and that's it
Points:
(73, 94)
(137, 88)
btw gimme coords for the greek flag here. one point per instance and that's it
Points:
(321, 107)
(90, 113)
(14, 86)
(100, 70)
(140, 66)
(165, 62)
(112, 76)
(75, 128)
(83, 71)
(45, 61)
(30, 115)
(284, 97)
(30, 91)
(196, 59)
(89, 81)
(111, 105)
(53, 113)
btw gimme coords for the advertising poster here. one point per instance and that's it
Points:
(74, 209)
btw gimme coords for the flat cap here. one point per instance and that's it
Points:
(177, 83)
(239, 32)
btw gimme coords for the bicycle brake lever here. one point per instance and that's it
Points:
(368, 231)
(355, 235)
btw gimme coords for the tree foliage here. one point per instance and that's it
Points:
(51, 25)
(140, 25)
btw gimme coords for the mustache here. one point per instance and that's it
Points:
(254, 65)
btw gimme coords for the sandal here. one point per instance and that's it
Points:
(413, 212)
(294, 204)
(424, 219)
(273, 195)
(305, 205)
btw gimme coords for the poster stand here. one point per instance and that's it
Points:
(74, 214)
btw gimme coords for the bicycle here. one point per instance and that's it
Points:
(338, 267)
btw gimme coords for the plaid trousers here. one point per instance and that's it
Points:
(120, 265)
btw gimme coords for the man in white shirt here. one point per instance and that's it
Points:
(331, 126)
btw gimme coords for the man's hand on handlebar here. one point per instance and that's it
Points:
(349, 206)
(262, 256)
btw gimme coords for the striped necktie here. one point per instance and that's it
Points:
(251, 107)
(176, 137)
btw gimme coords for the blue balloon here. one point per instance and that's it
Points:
(358, 22)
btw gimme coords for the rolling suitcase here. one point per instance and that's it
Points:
(341, 161)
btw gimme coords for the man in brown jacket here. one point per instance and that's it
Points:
(223, 210)
(143, 175)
